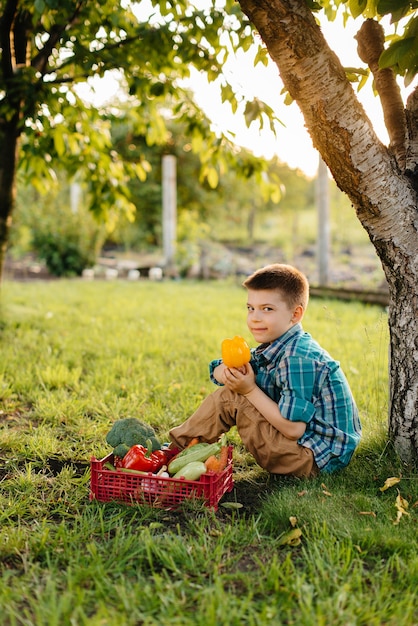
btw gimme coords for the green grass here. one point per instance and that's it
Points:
(75, 356)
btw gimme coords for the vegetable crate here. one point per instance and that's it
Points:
(157, 491)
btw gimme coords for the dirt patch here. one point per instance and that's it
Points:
(247, 493)
(16, 418)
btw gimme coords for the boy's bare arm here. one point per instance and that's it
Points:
(244, 383)
(269, 409)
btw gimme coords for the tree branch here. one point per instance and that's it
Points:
(21, 38)
(40, 61)
(370, 40)
(6, 24)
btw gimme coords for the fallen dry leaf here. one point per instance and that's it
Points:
(401, 505)
(389, 482)
(302, 493)
(372, 513)
(293, 521)
(325, 490)
(232, 505)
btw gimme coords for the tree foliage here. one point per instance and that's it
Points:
(230, 202)
(48, 47)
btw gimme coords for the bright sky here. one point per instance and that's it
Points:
(292, 144)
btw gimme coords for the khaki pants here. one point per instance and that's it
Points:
(272, 451)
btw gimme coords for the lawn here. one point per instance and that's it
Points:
(75, 357)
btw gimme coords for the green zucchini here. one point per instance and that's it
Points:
(191, 471)
(198, 446)
(195, 453)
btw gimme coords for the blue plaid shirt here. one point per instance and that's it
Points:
(309, 386)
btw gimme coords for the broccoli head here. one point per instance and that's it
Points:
(129, 431)
(120, 450)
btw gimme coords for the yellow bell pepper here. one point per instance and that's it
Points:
(235, 352)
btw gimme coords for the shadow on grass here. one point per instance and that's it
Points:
(367, 472)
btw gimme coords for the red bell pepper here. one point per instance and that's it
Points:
(139, 458)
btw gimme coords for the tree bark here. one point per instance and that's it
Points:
(384, 196)
(14, 46)
(8, 162)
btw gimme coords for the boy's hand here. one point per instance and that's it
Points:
(241, 380)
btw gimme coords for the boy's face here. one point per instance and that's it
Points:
(269, 317)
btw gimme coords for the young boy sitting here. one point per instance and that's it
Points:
(292, 405)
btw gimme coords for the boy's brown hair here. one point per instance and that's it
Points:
(292, 284)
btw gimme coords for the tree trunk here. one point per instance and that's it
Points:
(14, 43)
(382, 194)
(8, 164)
(403, 324)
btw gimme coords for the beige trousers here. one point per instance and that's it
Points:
(224, 409)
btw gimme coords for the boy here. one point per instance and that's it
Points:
(291, 404)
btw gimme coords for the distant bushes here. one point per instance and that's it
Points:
(69, 244)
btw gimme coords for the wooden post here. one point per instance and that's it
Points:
(169, 211)
(75, 196)
(322, 197)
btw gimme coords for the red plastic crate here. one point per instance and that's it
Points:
(157, 491)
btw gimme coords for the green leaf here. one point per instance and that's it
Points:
(362, 81)
(355, 75)
(262, 56)
(291, 538)
(288, 99)
(393, 6)
(313, 5)
(409, 76)
(228, 95)
(39, 5)
(59, 143)
(357, 7)
(252, 111)
(212, 177)
(398, 53)
(276, 194)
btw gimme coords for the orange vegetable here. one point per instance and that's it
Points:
(235, 352)
(215, 464)
(193, 442)
(212, 463)
(223, 458)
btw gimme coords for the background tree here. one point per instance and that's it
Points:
(52, 227)
(194, 195)
(381, 181)
(49, 46)
(231, 211)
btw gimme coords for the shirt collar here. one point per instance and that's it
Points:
(267, 351)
